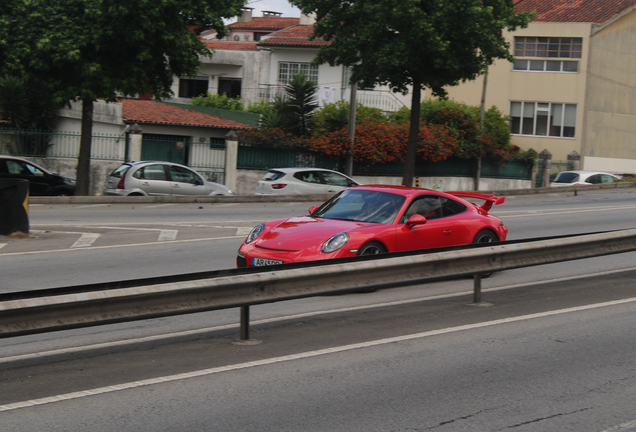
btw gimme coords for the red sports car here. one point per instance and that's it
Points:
(375, 219)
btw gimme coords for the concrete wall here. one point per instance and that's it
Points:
(610, 126)
(246, 182)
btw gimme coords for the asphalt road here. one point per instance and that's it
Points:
(553, 348)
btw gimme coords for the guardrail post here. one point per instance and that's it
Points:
(477, 288)
(245, 323)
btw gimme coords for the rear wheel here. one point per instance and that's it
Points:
(372, 248)
(486, 237)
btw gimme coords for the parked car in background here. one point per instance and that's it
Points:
(160, 178)
(293, 181)
(375, 219)
(41, 181)
(577, 178)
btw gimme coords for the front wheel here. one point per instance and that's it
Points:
(372, 248)
(486, 237)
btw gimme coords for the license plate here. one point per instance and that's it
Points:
(265, 262)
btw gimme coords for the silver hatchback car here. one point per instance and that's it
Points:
(160, 178)
(293, 181)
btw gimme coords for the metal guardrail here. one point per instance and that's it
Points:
(38, 312)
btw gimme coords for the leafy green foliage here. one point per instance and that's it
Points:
(302, 102)
(335, 116)
(218, 101)
(413, 44)
(90, 49)
(24, 106)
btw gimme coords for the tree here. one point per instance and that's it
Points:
(105, 49)
(302, 101)
(413, 43)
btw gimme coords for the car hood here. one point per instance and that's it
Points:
(299, 233)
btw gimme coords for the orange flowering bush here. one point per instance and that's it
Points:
(378, 143)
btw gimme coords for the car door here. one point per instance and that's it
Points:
(336, 182)
(38, 179)
(444, 226)
(152, 179)
(184, 181)
(310, 182)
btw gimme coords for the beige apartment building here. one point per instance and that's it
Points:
(572, 87)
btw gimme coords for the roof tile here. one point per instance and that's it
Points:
(265, 23)
(592, 11)
(294, 36)
(151, 112)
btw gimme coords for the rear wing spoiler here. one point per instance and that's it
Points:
(488, 198)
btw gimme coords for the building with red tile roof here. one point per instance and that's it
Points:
(296, 36)
(148, 112)
(572, 88)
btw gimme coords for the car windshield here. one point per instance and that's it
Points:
(566, 177)
(362, 206)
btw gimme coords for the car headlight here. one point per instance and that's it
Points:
(256, 231)
(69, 181)
(335, 243)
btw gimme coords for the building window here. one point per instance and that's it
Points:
(193, 87)
(230, 87)
(550, 48)
(287, 70)
(543, 119)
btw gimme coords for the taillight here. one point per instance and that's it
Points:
(120, 185)
(278, 185)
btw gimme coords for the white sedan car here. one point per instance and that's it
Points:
(579, 178)
(295, 181)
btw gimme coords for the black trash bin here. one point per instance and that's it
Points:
(14, 206)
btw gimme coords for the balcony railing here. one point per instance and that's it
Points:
(381, 99)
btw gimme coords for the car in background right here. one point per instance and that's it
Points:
(583, 178)
(296, 181)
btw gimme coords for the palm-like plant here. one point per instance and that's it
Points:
(301, 94)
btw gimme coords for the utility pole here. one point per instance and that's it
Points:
(482, 113)
(352, 129)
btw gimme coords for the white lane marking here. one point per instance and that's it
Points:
(243, 231)
(41, 354)
(299, 356)
(159, 206)
(112, 224)
(168, 235)
(85, 240)
(3, 245)
(91, 206)
(630, 425)
(122, 245)
(225, 205)
(557, 212)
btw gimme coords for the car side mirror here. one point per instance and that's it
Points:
(198, 182)
(416, 219)
(313, 209)
(38, 174)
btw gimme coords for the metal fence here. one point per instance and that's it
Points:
(555, 168)
(60, 144)
(209, 160)
(258, 158)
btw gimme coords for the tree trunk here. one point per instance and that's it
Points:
(84, 159)
(414, 134)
